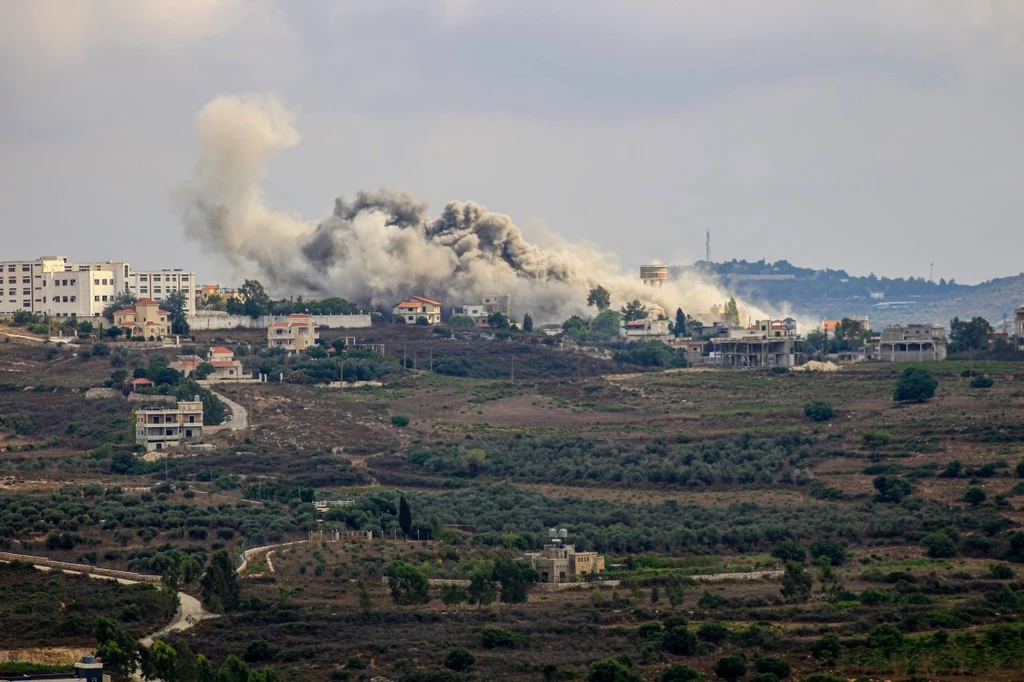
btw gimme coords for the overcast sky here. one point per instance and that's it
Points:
(869, 136)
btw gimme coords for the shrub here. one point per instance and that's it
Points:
(789, 550)
(680, 641)
(1000, 571)
(819, 411)
(974, 496)
(497, 638)
(459, 660)
(981, 382)
(677, 672)
(612, 670)
(915, 385)
(885, 638)
(835, 552)
(714, 632)
(731, 667)
(774, 666)
(939, 545)
(399, 420)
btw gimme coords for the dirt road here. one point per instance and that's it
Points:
(239, 415)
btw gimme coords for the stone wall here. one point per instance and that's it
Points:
(209, 321)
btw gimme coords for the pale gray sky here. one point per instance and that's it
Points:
(870, 136)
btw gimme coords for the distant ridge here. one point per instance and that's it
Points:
(832, 294)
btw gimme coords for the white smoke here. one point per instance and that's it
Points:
(382, 247)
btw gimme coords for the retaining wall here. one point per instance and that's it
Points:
(79, 568)
(207, 322)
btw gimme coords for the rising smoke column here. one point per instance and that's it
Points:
(382, 246)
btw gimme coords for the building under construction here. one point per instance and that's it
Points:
(754, 351)
(654, 275)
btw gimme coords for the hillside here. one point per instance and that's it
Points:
(832, 294)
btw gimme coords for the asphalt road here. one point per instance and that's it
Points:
(239, 415)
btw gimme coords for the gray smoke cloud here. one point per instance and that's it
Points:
(382, 246)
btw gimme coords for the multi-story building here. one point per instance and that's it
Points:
(159, 284)
(559, 563)
(912, 343)
(162, 428)
(415, 308)
(1018, 325)
(53, 285)
(145, 319)
(297, 333)
(86, 670)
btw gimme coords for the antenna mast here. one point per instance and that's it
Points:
(707, 248)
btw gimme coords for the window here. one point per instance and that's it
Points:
(65, 299)
(157, 290)
(56, 299)
(185, 289)
(104, 281)
(12, 280)
(96, 282)
(26, 280)
(72, 299)
(72, 282)
(25, 268)
(26, 304)
(184, 278)
(26, 292)
(143, 289)
(170, 432)
(12, 292)
(63, 282)
(167, 278)
(96, 298)
(10, 268)
(104, 298)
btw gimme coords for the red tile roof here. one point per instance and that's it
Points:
(125, 311)
(146, 301)
(141, 380)
(221, 349)
(425, 300)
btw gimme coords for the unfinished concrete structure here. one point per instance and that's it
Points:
(912, 343)
(754, 351)
(162, 428)
(559, 562)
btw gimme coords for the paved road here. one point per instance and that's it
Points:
(239, 415)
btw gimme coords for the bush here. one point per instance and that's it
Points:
(774, 666)
(714, 632)
(680, 641)
(399, 420)
(731, 667)
(819, 411)
(981, 382)
(939, 545)
(459, 660)
(835, 552)
(677, 672)
(974, 496)
(497, 638)
(789, 550)
(1000, 571)
(612, 670)
(915, 385)
(100, 349)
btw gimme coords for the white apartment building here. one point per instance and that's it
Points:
(55, 286)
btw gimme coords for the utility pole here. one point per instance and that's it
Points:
(931, 272)
(707, 249)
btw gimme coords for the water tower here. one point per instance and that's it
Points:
(654, 275)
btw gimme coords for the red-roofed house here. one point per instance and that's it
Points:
(297, 333)
(224, 364)
(416, 307)
(144, 319)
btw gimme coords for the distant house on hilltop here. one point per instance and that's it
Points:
(297, 333)
(416, 307)
(144, 319)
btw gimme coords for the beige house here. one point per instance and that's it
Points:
(560, 563)
(225, 367)
(297, 333)
(415, 308)
(144, 319)
(912, 343)
(162, 428)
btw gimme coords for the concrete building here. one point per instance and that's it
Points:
(912, 343)
(186, 364)
(1018, 325)
(648, 329)
(55, 286)
(145, 319)
(754, 351)
(86, 670)
(654, 275)
(560, 563)
(162, 428)
(159, 284)
(207, 291)
(417, 307)
(489, 304)
(297, 333)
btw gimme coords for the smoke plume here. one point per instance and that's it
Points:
(382, 247)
